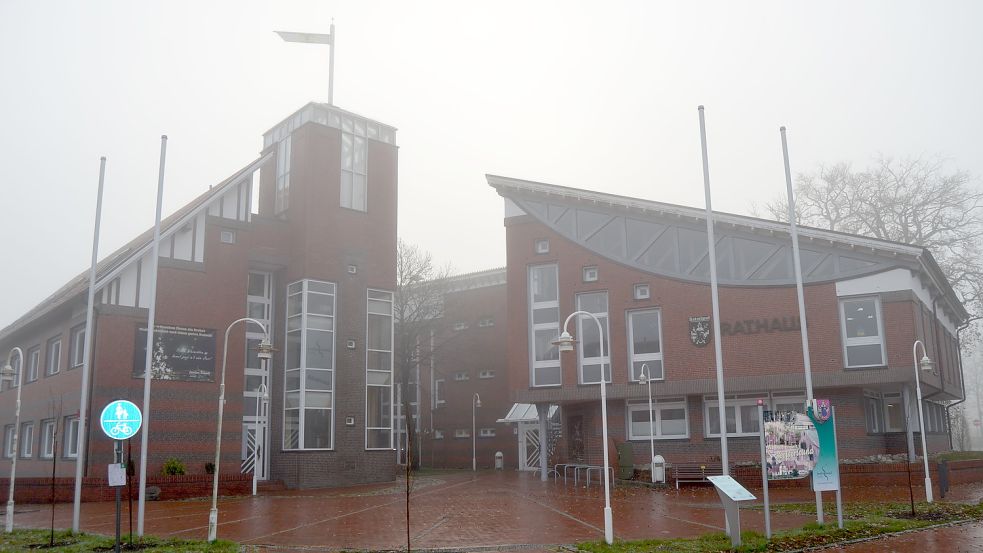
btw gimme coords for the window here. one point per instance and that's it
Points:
(486, 374)
(26, 439)
(590, 274)
(33, 363)
(71, 447)
(542, 246)
(642, 292)
(860, 321)
(76, 348)
(460, 326)
(438, 434)
(281, 200)
(669, 419)
(874, 412)
(894, 416)
(741, 412)
(48, 428)
(354, 164)
(645, 343)
(544, 327)
(8, 441)
(438, 391)
(461, 376)
(486, 322)
(54, 356)
(589, 345)
(308, 406)
(486, 433)
(378, 369)
(227, 237)
(462, 433)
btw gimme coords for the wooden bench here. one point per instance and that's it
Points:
(696, 472)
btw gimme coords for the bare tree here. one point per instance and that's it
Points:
(913, 200)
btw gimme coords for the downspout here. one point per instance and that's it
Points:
(962, 381)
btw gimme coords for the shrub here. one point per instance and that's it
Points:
(209, 468)
(173, 467)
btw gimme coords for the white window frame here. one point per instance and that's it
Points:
(542, 246)
(486, 322)
(76, 348)
(642, 292)
(305, 293)
(771, 399)
(486, 374)
(865, 340)
(462, 433)
(605, 321)
(462, 376)
(8, 441)
(438, 392)
(26, 439)
(534, 327)
(281, 198)
(590, 273)
(644, 357)
(71, 435)
(354, 192)
(386, 297)
(48, 428)
(873, 405)
(486, 432)
(438, 434)
(52, 365)
(33, 363)
(657, 406)
(458, 326)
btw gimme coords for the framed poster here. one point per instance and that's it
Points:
(180, 353)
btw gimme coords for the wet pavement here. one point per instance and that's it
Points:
(458, 510)
(962, 538)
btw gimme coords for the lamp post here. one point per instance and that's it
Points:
(475, 403)
(265, 353)
(8, 374)
(565, 343)
(645, 378)
(926, 365)
(257, 441)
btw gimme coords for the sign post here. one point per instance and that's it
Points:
(731, 492)
(120, 420)
(764, 467)
(826, 474)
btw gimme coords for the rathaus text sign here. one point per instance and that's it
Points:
(757, 326)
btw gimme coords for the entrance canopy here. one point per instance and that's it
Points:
(525, 412)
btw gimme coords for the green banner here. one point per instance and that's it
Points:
(826, 473)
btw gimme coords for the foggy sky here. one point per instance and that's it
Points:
(592, 95)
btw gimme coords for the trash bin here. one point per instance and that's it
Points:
(658, 469)
(499, 460)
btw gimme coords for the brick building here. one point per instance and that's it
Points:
(641, 267)
(461, 363)
(311, 255)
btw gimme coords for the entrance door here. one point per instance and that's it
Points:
(528, 446)
(256, 391)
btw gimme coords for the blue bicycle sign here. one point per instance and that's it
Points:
(121, 419)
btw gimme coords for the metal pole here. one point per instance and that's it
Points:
(475, 400)
(13, 460)
(608, 519)
(717, 349)
(86, 355)
(800, 296)
(118, 457)
(764, 468)
(839, 493)
(256, 441)
(213, 512)
(331, 66)
(148, 368)
(921, 419)
(648, 380)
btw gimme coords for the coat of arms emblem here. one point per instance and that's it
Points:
(699, 331)
(823, 410)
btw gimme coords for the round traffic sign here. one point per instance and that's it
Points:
(120, 419)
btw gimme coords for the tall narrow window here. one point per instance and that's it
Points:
(282, 198)
(544, 326)
(589, 345)
(354, 164)
(8, 441)
(645, 343)
(308, 406)
(54, 356)
(76, 347)
(71, 439)
(33, 363)
(26, 439)
(863, 336)
(378, 370)
(48, 438)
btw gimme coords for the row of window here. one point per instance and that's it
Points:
(885, 412)
(483, 322)
(669, 418)
(52, 358)
(466, 433)
(309, 367)
(861, 326)
(464, 376)
(46, 445)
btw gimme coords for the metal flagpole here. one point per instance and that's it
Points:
(87, 353)
(718, 351)
(147, 372)
(764, 467)
(803, 326)
(331, 66)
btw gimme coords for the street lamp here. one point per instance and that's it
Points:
(565, 343)
(645, 378)
(257, 441)
(8, 374)
(475, 403)
(264, 354)
(926, 365)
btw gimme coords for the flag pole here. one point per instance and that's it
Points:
(714, 297)
(331, 65)
(797, 263)
(147, 369)
(86, 355)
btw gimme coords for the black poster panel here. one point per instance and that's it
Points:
(180, 353)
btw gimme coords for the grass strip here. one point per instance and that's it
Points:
(66, 542)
